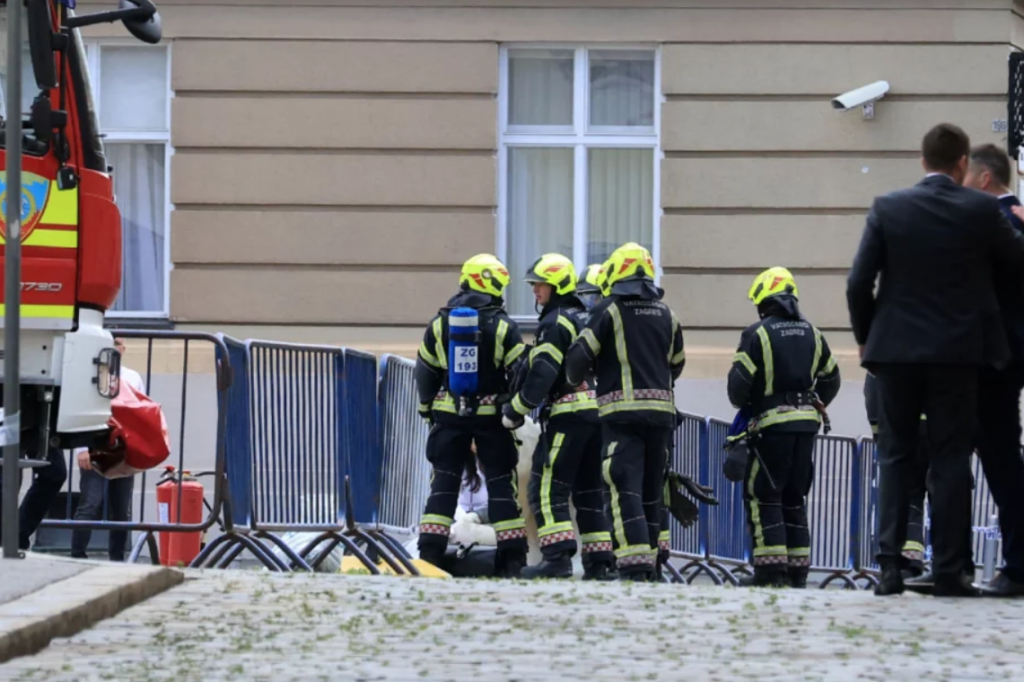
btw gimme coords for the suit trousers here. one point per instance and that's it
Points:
(948, 394)
(1000, 452)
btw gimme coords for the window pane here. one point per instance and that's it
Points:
(621, 88)
(540, 87)
(29, 89)
(540, 183)
(620, 200)
(139, 193)
(133, 88)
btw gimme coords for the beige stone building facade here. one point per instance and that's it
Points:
(330, 163)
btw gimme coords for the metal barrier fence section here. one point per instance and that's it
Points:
(194, 398)
(832, 507)
(361, 428)
(867, 506)
(239, 437)
(405, 479)
(298, 453)
(688, 443)
(728, 541)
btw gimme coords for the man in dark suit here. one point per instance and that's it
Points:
(999, 390)
(933, 324)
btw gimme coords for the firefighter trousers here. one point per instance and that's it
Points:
(567, 462)
(449, 451)
(775, 493)
(634, 469)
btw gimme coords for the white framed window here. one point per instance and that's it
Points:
(578, 156)
(132, 93)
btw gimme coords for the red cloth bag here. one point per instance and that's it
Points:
(138, 436)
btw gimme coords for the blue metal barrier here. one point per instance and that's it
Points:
(983, 507)
(728, 542)
(238, 428)
(405, 479)
(833, 508)
(360, 426)
(690, 443)
(865, 564)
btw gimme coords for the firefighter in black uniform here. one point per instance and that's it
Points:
(456, 425)
(567, 460)
(590, 288)
(913, 548)
(784, 372)
(636, 345)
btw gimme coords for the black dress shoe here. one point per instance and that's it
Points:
(922, 584)
(1001, 586)
(890, 583)
(955, 586)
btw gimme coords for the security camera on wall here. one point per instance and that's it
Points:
(862, 97)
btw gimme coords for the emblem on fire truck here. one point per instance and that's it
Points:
(35, 190)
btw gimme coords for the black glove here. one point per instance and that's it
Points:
(701, 493)
(682, 507)
(511, 419)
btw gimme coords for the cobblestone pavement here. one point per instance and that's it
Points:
(244, 625)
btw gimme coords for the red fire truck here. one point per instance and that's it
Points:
(70, 227)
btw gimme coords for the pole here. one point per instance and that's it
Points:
(10, 435)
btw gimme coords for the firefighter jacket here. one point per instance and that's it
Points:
(635, 344)
(561, 322)
(781, 363)
(501, 344)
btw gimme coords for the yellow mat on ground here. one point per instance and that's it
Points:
(350, 564)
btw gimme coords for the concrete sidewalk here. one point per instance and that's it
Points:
(43, 597)
(242, 625)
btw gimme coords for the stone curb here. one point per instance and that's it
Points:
(69, 606)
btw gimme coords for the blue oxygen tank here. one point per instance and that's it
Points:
(463, 352)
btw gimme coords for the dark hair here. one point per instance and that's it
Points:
(944, 146)
(473, 474)
(994, 160)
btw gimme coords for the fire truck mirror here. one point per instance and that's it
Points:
(148, 30)
(40, 36)
(42, 119)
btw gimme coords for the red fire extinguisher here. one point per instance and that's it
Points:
(179, 548)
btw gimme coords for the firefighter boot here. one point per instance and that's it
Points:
(766, 576)
(798, 576)
(510, 563)
(601, 571)
(433, 554)
(637, 574)
(558, 567)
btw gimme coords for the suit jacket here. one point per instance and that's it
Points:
(935, 246)
(1009, 284)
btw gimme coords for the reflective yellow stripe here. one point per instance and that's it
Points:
(633, 550)
(570, 327)
(665, 536)
(427, 357)
(545, 479)
(755, 508)
(565, 527)
(575, 406)
(745, 360)
(499, 343)
(447, 404)
(550, 349)
(514, 354)
(591, 538)
(817, 354)
(678, 358)
(620, 351)
(672, 343)
(519, 406)
(61, 207)
(57, 239)
(829, 366)
(772, 417)
(439, 350)
(436, 519)
(514, 524)
(591, 341)
(634, 405)
(769, 364)
(773, 550)
(909, 546)
(798, 551)
(606, 469)
(57, 311)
